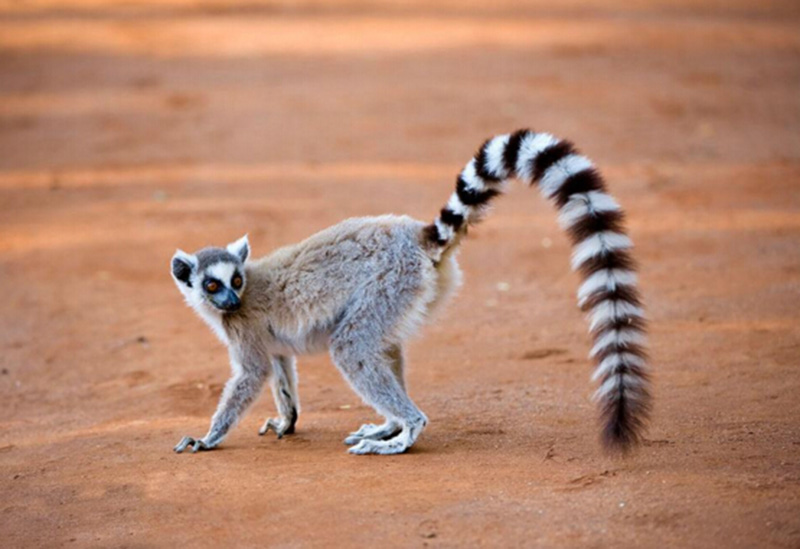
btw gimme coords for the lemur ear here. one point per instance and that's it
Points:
(183, 265)
(240, 248)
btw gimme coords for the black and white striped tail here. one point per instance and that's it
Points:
(601, 254)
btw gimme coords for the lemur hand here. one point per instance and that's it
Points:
(280, 426)
(197, 445)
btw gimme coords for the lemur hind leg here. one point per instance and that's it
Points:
(390, 427)
(367, 367)
(240, 391)
(284, 389)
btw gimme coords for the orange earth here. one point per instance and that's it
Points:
(130, 128)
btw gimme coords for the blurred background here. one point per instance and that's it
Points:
(130, 128)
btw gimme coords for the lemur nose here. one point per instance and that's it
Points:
(231, 302)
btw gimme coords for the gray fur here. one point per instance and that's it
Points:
(358, 289)
(209, 256)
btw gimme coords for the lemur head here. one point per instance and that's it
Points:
(213, 278)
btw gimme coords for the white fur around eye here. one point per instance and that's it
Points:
(222, 272)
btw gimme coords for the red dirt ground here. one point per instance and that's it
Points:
(130, 129)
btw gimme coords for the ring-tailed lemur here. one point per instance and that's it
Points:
(362, 287)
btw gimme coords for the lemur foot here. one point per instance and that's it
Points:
(395, 445)
(280, 426)
(373, 432)
(196, 444)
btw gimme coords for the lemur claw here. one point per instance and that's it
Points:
(196, 444)
(280, 426)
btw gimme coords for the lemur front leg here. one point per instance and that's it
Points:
(284, 390)
(240, 391)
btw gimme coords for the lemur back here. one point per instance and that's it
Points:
(296, 296)
(363, 286)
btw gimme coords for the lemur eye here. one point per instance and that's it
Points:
(212, 286)
(236, 282)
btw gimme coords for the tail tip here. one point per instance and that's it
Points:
(620, 443)
(622, 434)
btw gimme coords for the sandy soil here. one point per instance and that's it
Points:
(127, 131)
